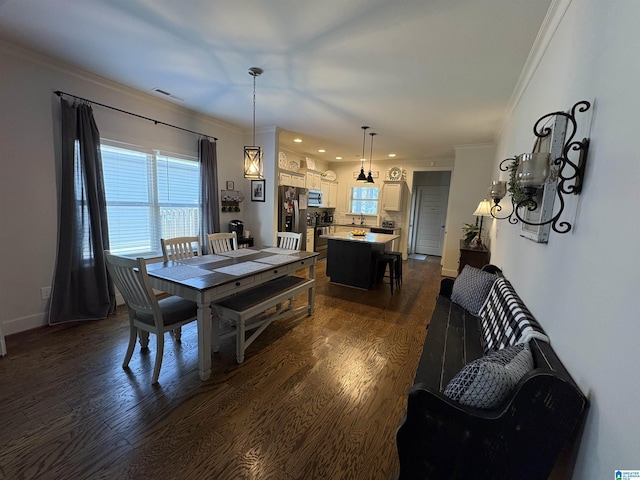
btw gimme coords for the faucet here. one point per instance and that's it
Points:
(361, 219)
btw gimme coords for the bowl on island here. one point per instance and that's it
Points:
(358, 233)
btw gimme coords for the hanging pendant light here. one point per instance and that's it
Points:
(369, 177)
(362, 177)
(253, 153)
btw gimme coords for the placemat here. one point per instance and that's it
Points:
(181, 272)
(275, 259)
(202, 259)
(241, 252)
(240, 268)
(284, 251)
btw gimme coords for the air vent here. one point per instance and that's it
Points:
(166, 94)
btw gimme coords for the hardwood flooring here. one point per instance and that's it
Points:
(317, 397)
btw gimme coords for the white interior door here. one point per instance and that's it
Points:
(430, 219)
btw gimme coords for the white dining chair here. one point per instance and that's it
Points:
(180, 247)
(146, 313)
(289, 240)
(222, 242)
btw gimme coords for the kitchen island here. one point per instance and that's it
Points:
(351, 259)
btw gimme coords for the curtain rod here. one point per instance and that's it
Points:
(59, 93)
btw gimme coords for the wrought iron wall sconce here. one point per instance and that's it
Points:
(557, 174)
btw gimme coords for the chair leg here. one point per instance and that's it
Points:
(240, 333)
(144, 338)
(159, 353)
(133, 336)
(177, 334)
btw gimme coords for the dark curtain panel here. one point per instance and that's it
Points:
(210, 220)
(81, 287)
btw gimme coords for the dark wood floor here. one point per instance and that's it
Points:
(317, 397)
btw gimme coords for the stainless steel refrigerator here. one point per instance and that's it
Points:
(292, 211)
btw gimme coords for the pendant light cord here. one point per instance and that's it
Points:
(254, 110)
(371, 154)
(254, 72)
(364, 140)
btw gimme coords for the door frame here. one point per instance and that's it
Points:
(414, 208)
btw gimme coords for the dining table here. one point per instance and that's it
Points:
(208, 279)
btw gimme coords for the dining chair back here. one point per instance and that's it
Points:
(222, 242)
(146, 313)
(289, 240)
(180, 247)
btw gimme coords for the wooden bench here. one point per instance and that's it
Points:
(521, 438)
(250, 304)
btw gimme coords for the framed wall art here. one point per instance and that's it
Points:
(257, 190)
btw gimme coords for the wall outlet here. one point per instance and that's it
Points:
(45, 292)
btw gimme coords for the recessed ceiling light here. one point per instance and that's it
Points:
(321, 150)
(338, 158)
(392, 155)
(297, 140)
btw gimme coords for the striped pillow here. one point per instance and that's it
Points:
(506, 320)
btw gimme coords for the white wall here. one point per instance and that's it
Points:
(583, 286)
(28, 197)
(470, 181)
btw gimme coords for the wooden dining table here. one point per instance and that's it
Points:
(207, 279)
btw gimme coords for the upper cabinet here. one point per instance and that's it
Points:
(329, 194)
(291, 179)
(314, 180)
(393, 196)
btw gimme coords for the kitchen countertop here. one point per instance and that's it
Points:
(379, 238)
(350, 225)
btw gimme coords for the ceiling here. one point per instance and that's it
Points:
(426, 75)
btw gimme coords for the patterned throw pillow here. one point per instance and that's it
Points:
(486, 382)
(471, 288)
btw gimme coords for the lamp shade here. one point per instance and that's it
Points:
(484, 209)
(253, 162)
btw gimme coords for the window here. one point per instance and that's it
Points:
(150, 195)
(364, 200)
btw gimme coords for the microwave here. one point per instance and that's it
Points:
(315, 198)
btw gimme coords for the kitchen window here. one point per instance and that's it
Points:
(150, 195)
(364, 200)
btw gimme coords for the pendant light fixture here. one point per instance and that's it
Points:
(369, 177)
(362, 177)
(253, 153)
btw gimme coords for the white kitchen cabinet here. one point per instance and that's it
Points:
(314, 180)
(298, 181)
(291, 179)
(324, 188)
(329, 194)
(284, 178)
(393, 196)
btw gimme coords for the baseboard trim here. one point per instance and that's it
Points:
(449, 273)
(22, 324)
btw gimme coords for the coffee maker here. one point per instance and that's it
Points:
(238, 227)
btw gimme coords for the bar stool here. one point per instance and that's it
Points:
(398, 267)
(382, 260)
